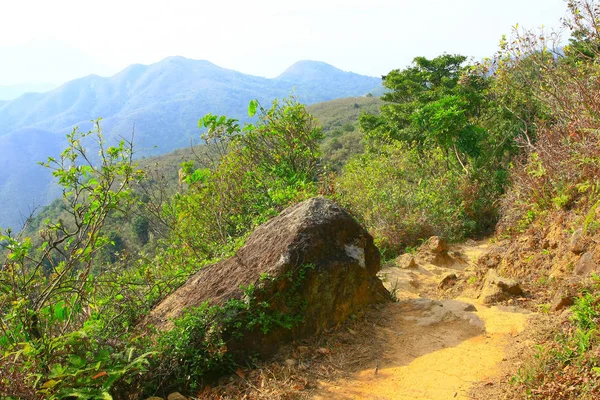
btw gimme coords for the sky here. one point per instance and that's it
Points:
(55, 41)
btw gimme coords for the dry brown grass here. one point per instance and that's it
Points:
(298, 368)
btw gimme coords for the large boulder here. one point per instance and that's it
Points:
(315, 250)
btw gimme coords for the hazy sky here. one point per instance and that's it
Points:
(54, 41)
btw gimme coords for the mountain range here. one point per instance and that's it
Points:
(163, 101)
(11, 92)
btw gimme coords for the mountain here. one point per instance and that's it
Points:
(25, 185)
(11, 92)
(308, 76)
(163, 101)
(166, 99)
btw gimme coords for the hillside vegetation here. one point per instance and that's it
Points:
(339, 120)
(159, 102)
(459, 150)
(141, 229)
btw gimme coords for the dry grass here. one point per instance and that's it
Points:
(297, 370)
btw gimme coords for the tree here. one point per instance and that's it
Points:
(433, 103)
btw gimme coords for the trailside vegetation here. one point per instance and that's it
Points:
(437, 161)
(68, 328)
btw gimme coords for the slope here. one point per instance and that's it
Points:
(24, 184)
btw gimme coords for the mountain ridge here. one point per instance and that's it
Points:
(163, 101)
(11, 92)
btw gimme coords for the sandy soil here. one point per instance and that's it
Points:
(433, 349)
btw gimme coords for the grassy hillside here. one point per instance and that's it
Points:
(339, 119)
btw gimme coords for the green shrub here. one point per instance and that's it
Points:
(402, 195)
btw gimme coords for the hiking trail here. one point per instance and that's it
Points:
(433, 347)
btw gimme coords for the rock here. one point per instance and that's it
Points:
(406, 261)
(154, 398)
(496, 288)
(437, 245)
(448, 280)
(562, 301)
(457, 254)
(316, 238)
(435, 251)
(470, 308)
(577, 243)
(586, 264)
(176, 396)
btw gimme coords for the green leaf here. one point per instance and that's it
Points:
(252, 108)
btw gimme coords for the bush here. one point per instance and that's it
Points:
(410, 196)
(260, 169)
(561, 165)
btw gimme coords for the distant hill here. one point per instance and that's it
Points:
(24, 184)
(11, 92)
(164, 101)
(318, 81)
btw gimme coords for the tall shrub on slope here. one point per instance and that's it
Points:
(561, 167)
(442, 164)
(256, 171)
(53, 331)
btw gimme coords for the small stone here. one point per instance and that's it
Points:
(154, 398)
(562, 300)
(457, 254)
(470, 307)
(323, 350)
(496, 288)
(447, 281)
(437, 245)
(561, 303)
(586, 264)
(302, 349)
(176, 396)
(577, 242)
(290, 362)
(406, 261)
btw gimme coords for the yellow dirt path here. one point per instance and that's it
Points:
(433, 349)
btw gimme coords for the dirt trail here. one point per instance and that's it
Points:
(433, 349)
